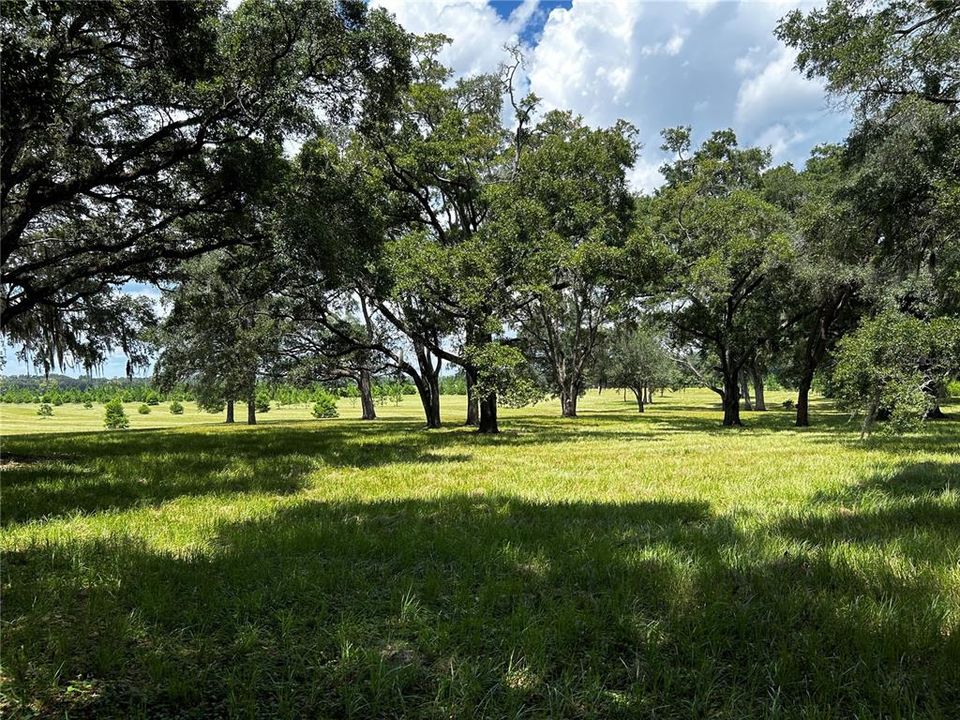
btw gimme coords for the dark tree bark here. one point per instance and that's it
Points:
(251, 411)
(568, 402)
(229, 411)
(756, 375)
(487, 422)
(803, 398)
(430, 399)
(488, 415)
(826, 326)
(731, 400)
(365, 386)
(745, 394)
(427, 381)
(639, 392)
(473, 405)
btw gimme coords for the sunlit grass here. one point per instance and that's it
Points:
(616, 565)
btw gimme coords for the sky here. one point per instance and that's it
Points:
(705, 63)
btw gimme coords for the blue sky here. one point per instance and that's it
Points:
(705, 63)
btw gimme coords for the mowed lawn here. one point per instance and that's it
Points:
(614, 566)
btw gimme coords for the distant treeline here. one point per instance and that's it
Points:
(62, 389)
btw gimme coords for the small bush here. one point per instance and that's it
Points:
(115, 418)
(87, 404)
(262, 402)
(953, 388)
(153, 397)
(176, 407)
(45, 410)
(144, 409)
(325, 405)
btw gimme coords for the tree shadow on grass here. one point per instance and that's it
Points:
(915, 509)
(474, 605)
(63, 474)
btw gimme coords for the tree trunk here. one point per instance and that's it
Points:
(229, 411)
(568, 402)
(731, 400)
(473, 406)
(427, 381)
(650, 392)
(803, 399)
(639, 393)
(251, 411)
(745, 394)
(935, 413)
(430, 399)
(758, 396)
(488, 415)
(487, 422)
(365, 386)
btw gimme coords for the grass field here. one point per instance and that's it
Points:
(613, 566)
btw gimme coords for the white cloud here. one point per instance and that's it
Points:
(670, 47)
(780, 139)
(775, 90)
(700, 7)
(478, 33)
(586, 58)
(645, 176)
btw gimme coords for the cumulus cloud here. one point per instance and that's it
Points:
(478, 32)
(670, 47)
(645, 176)
(585, 58)
(773, 89)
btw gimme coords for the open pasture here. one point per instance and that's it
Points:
(615, 565)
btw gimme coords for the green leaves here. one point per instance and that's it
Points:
(897, 364)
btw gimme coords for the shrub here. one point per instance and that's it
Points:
(115, 418)
(87, 404)
(152, 398)
(176, 407)
(953, 388)
(45, 410)
(262, 402)
(144, 409)
(325, 405)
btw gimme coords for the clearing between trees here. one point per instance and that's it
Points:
(616, 565)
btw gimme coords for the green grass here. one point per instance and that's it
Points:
(617, 565)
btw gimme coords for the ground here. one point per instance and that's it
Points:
(614, 565)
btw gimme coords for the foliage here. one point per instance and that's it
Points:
(176, 408)
(572, 182)
(880, 52)
(262, 402)
(324, 405)
(130, 131)
(727, 254)
(220, 331)
(115, 418)
(144, 409)
(639, 361)
(45, 410)
(502, 370)
(899, 364)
